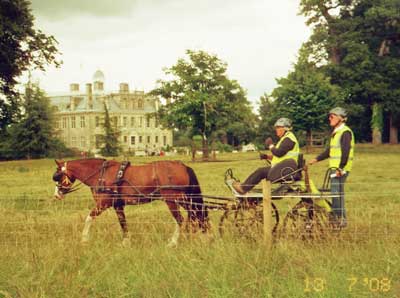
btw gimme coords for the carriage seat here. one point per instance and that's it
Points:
(297, 175)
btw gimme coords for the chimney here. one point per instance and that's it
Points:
(74, 88)
(98, 86)
(72, 103)
(123, 88)
(89, 96)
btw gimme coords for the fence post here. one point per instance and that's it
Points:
(267, 212)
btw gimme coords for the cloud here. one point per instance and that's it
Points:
(54, 9)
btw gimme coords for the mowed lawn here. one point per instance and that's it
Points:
(41, 254)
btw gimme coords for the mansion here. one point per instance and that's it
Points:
(80, 117)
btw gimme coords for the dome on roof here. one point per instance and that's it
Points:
(98, 76)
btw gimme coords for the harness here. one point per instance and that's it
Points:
(101, 183)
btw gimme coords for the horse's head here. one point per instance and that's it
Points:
(64, 179)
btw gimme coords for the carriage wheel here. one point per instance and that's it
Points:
(306, 221)
(245, 220)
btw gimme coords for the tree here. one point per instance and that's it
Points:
(305, 96)
(200, 97)
(358, 41)
(109, 141)
(33, 136)
(21, 47)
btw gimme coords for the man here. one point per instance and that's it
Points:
(283, 160)
(340, 153)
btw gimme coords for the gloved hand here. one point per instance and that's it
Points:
(340, 172)
(265, 156)
(268, 141)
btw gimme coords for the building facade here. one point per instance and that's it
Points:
(80, 117)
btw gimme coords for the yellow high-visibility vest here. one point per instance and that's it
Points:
(291, 154)
(335, 151)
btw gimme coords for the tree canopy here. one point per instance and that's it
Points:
(33, 135)
(21, 47)
(359, 44)
(201, 98)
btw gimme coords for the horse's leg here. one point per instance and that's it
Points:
(119, 209)
(173, 207)
(96, 211)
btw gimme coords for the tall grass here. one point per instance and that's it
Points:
(41, 254)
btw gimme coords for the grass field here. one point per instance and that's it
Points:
(41, 254)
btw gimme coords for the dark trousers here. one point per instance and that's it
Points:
(272, 174)
(337, 188)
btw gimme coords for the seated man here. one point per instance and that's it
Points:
(284, 157)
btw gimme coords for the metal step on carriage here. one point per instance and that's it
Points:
(308, 218)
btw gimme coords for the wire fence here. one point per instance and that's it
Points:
(373, 211)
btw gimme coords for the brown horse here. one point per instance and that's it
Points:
(115, 184)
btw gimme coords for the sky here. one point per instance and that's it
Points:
(132, 41)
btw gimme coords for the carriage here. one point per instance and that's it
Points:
(310, 217)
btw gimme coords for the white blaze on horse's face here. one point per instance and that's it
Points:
(63, 181)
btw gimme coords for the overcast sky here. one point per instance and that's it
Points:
(133, 40)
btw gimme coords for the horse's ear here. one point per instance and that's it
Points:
(57, 162)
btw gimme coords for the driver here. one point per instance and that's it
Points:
(283, 159)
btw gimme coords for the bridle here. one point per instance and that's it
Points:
(66, 185)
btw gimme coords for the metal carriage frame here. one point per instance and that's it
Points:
(309, 218)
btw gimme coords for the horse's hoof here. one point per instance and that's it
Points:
(126, 242)
(172, 244)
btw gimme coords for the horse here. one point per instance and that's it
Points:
(117, 184)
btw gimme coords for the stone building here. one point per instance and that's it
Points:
(80, 114)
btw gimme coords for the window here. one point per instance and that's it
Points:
(148, 121)
(82, 121)
(83, 142)
(57, 123)
(64, 122)
(148, 139)
(73, 141)
(140, 121)
(125, 121)
(133, 140)
(156, 139)
(115, 121)
(164, 140)
(140, 104)
(97, 121)
(73, 124)
(140, 139)
(125, 139)
(132, 121)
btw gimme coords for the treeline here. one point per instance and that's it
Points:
(351, 59)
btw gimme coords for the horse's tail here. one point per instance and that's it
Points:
(193, 192)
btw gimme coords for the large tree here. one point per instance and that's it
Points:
(305, 96)
(358, 41)
(21, 47)
(109, 144)
(33, 136)
(201, 98)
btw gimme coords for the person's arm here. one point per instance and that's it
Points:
(323, 155)
(345, 145)
(286, 145)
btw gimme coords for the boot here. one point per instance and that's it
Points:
(238, 187)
